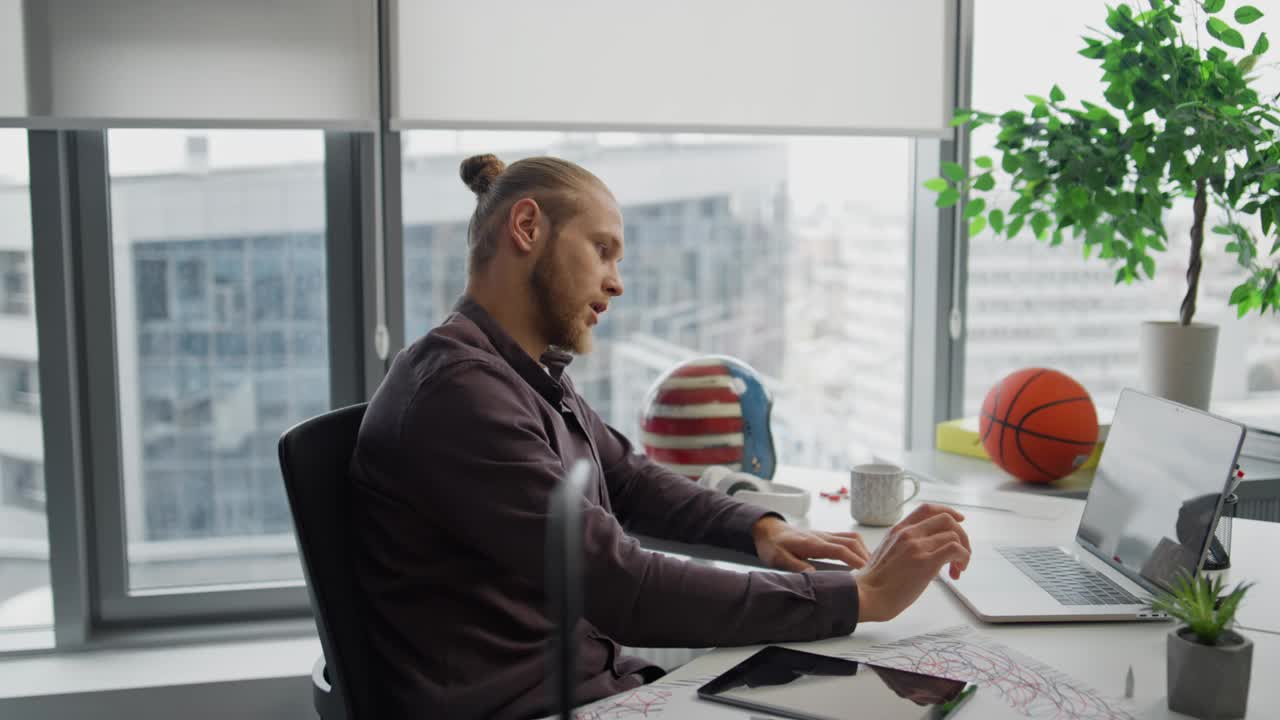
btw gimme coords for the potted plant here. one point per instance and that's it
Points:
(1184, 122)
(1208, 664)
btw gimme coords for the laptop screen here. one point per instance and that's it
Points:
(1158, 487)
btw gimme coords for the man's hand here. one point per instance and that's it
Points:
(784, 547)
(911, 555)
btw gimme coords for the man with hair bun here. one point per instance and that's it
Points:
(472, 429)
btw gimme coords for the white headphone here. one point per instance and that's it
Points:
(786, 499)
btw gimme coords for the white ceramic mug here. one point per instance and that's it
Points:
(875, 493)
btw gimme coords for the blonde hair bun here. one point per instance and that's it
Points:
(479, 172)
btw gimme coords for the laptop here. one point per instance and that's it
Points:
(1149, 517)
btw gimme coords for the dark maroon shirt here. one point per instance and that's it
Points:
(458, 454)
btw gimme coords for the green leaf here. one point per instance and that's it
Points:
(947, 198)
(953, 171)
(996, 218)
(983, 162)
(1057, 238)
(1010, 162)
(1262, 45)
(1117, 96)
(1038, 100)
(977, 225)
(937, 184)
(961, 117)
(974, 207)
(1149, 266)
(1215, 27)
(1213, 6)
(1240, 294)
(1232, 38)
(1246, 65)
(1095, 51)
(1078, 197)
(1056, 94)
(1039, 222)
(985, 182)
(1223, 230)
(1015, 226)
(1246, 14)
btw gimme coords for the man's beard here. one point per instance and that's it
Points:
(560, 314)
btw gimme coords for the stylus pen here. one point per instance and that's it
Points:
(970, 505)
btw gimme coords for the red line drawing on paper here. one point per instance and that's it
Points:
(642, 702)
(645, 701)
(1030, 687)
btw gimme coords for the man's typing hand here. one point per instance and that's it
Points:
(910, 556)
(784, 547)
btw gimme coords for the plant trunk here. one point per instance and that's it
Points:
(1198, 207)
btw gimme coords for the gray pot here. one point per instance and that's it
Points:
(1209, 681)
(1176, 362)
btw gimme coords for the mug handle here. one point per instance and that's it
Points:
(915, 489)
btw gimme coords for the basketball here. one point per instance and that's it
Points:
(1038, 424)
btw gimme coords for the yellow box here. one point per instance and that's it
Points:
(961, 436)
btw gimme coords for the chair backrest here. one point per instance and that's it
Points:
(564, 581)
(314, 457)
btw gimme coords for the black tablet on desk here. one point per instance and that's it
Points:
(795, 684)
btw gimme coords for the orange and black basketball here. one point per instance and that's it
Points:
(1038, 424)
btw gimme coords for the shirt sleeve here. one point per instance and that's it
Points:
(488, 471)
(652, 500)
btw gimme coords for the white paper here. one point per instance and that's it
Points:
(1027, 686)
(662, 699)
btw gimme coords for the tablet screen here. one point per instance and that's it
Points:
(818, 687)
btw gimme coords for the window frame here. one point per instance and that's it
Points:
(74, 305)
(72, 226)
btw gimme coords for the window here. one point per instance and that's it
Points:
(19, 386)
(25, 599)
(789, 253)
(1030, 304)
(219, 262)
(15, 282)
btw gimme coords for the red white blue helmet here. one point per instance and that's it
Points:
(712, 410)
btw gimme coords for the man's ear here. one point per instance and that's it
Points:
(524, 223)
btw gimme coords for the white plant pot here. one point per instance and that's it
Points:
(1176, 361)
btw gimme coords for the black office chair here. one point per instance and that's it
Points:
(564, 580)
(314, 457)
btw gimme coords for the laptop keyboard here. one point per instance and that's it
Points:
(1069, 581)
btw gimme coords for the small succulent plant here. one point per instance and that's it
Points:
(1203, 605)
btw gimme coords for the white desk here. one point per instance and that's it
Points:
(1095, 653)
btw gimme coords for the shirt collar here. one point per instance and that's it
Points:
(546, 382)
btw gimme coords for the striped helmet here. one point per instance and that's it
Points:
(712, 410)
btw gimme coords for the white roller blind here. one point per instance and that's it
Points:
(207, 63)
(801, 65)
(13, 61)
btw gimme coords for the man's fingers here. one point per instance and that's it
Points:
(853, 543)
(948, 538)
(784, 560)
(936, 524)
(928, 510)
(944, 524)
(817, 547)
(932, 542)
(952, 552)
